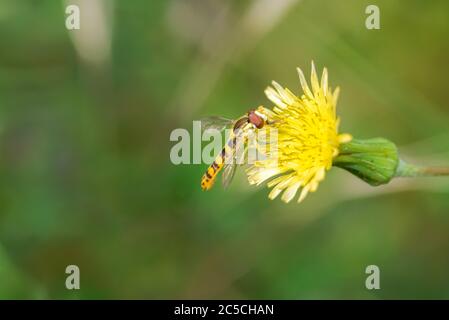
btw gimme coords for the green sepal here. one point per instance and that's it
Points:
(373, 160)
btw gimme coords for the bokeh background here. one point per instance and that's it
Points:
(86, 177)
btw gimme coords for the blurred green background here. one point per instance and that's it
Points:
(86, 177)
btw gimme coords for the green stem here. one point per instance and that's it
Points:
(408, 170)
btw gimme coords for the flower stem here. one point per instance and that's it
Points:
(407, 170)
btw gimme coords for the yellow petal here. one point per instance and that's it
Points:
(324, 82)
(335, 95)
(274, 97)
(344, 137)
(286, 98)
(290, 192)
(304, 193)
(304, 85)
(314, 82)
(274, 193)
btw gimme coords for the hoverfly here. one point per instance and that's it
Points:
(240, 128)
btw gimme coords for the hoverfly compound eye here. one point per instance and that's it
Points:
(256, 120)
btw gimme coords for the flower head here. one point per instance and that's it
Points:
(307, 138)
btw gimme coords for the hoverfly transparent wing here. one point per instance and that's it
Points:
(234, 158)
(215, 123)
(228, 172)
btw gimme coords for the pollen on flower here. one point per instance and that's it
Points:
(307, 138)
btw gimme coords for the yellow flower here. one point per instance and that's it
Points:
(307, 138)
